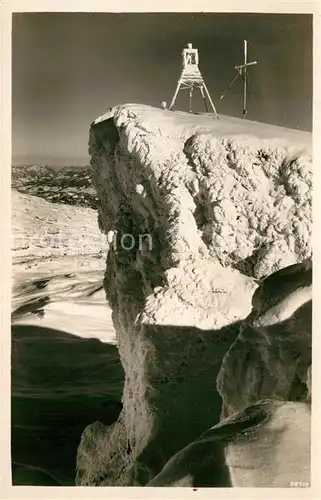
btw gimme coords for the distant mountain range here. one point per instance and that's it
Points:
(20, 160)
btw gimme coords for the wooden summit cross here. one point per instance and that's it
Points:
(242, 72)
(191, 78)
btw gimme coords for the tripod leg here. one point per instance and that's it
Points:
(204, 99)
(175, 95)
(190, 99)
(211, 102)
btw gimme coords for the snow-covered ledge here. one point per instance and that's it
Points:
(197, 211)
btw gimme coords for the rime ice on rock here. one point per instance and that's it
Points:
(227, 202)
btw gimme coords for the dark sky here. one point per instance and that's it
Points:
(68, 68)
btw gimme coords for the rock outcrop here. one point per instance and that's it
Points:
(196, 212)
(271, 356)
(266, 445)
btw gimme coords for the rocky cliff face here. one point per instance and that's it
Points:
(196, 211)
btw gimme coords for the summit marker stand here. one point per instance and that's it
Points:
(191, 78)
(242, 72)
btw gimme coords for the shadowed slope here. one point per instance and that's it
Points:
(60, 383)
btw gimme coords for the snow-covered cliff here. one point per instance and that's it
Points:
(196, 211)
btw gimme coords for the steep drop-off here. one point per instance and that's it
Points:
(196, 212)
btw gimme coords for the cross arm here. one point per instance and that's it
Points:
(245, 65)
